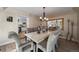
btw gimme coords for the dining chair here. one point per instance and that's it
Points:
(49, 44)
(57, 34)
(19, 47)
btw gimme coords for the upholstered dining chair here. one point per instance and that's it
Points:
(57, 36)
(19, 47)
(48, 45)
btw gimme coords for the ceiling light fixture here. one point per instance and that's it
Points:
(44, 18)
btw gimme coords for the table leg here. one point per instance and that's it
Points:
(35, 47)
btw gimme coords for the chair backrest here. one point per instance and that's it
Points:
(56, 35)
(50, 43)
(14, 35)
(52, 40)
(57, 32)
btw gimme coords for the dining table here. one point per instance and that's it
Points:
(37, 38)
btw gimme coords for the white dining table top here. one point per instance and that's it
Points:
(37, 38)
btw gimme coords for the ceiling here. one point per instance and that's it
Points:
(50, 11)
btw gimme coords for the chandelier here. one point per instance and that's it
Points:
(43, 18)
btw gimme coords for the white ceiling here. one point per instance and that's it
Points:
(50, 11)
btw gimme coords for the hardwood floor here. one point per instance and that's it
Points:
(67, 46)
(63, 46)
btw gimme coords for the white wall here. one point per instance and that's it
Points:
(33, 21)
(6, 27)
(76, 9)
(78, 25)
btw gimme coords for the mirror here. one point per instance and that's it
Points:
(53, 23)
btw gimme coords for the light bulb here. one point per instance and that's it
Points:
(40, 17)
(45, 18)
